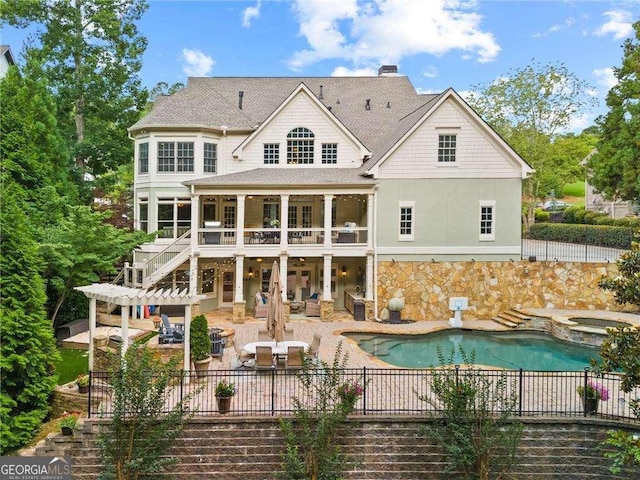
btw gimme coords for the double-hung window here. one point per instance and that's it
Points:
(407, 221)
(271, 153)
(329, 153)
(487, 220)
(210, 157)
(447, 148)
(143, 158)
(300, 146)
(143, 214)
(175, 157)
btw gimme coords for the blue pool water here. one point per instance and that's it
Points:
(512, 350)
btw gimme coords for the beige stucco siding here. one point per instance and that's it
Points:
(477, 155)
(447, 215)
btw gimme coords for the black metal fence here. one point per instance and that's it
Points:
(547, 250)
(386, 392)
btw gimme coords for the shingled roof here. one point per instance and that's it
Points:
(214, 103)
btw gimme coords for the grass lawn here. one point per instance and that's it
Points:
(575, 189)
(73, 363)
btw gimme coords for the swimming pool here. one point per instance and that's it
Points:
(513, 350)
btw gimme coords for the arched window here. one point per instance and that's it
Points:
(300, 145)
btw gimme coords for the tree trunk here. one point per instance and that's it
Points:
(79, 102)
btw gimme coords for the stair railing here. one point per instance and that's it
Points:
(163, 257)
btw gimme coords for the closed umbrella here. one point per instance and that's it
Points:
(275, 309)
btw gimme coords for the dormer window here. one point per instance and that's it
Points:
(300, 146)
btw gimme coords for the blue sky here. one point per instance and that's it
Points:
(436, 43)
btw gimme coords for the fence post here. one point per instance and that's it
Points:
(273, 390)
(520, 393)
(364, 392)
(584, 391)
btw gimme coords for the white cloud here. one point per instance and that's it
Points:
(619, 24)
(250, 13)
(605, 77)
(568, 23)
(354, 72)
(197, 64)
(430, 72)
(385, 31)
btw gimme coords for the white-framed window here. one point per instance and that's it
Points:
(210, 157)
(447, 148)
(143, 214)
(487, 214)
(168, 161)
(407, 221)
(174, 217)
(271, 153)
(300, 146)
(329, 153)
(209, 280)
(143, 158)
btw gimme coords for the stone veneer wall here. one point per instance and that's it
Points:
(492, 287)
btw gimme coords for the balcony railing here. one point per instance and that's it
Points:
(386, 392)
(295, 236)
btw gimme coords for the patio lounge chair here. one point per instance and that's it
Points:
(312, 308)
(264, 358)
(242, 358)
(294, 358)
(169, 333)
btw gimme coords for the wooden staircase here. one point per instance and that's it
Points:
(512, 318)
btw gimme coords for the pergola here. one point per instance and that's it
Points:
(134, 297)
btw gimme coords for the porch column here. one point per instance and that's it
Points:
(284, 220)
(124, 327)
(327, 225)
(92, 329)
(369, 279)
(283, 275)
(187, 340)
(370, 220)
(193, 272)
(326, 277)
(195, 221)
(239, 293)
(240, 221)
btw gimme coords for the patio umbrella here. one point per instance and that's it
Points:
(275, 309)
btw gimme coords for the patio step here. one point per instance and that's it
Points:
(512, 318)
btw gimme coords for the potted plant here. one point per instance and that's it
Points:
(591, 395)
(200, 345)
(83, 383)
(68, 423)
(224, 392)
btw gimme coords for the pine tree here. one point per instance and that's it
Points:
(27, 343)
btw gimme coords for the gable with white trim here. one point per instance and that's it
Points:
(478, 153)
(301, 111)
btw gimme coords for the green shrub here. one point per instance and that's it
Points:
(600, 235)
(579, 215)
(590, 217)
(569, 215)
(605, 220)
(542, 216)
(200, 343)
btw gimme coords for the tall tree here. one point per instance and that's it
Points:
(615, 167)
(28, 348)
(81, 248)
(91, 50)
(529, 108)
(32, 149)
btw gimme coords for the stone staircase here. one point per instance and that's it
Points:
(512, 318)
(383, 448)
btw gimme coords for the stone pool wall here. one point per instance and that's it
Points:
(493, 287)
